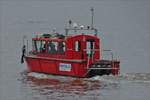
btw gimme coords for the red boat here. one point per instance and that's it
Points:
(73, 54)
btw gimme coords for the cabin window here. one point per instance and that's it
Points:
(77, 45)
(52, 47)
(39, 46)
(34, 46)
(61, 47)
(56, 47)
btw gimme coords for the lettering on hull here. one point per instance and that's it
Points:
(64, 67)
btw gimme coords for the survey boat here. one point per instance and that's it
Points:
(76, 53)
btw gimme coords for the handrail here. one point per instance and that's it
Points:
(76, 29)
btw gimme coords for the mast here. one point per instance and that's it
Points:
(92, 18)
(75, 26)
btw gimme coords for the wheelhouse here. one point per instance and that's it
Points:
(78, 47)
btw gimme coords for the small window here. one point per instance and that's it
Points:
(61, 47)
(34, 45)
(77, 46)
(39, 46)
(52, 47)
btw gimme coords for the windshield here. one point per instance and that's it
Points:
(39, 46)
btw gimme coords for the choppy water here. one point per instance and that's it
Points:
(124, 27)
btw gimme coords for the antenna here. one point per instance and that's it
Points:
(92, 17)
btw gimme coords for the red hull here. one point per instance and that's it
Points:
(77, 69)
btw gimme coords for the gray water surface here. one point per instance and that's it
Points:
(124, 27)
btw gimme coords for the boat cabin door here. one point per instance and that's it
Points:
(90, 51)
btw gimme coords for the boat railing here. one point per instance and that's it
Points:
(78, 30)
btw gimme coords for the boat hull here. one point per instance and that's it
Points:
(71, 67)
(54, 66)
